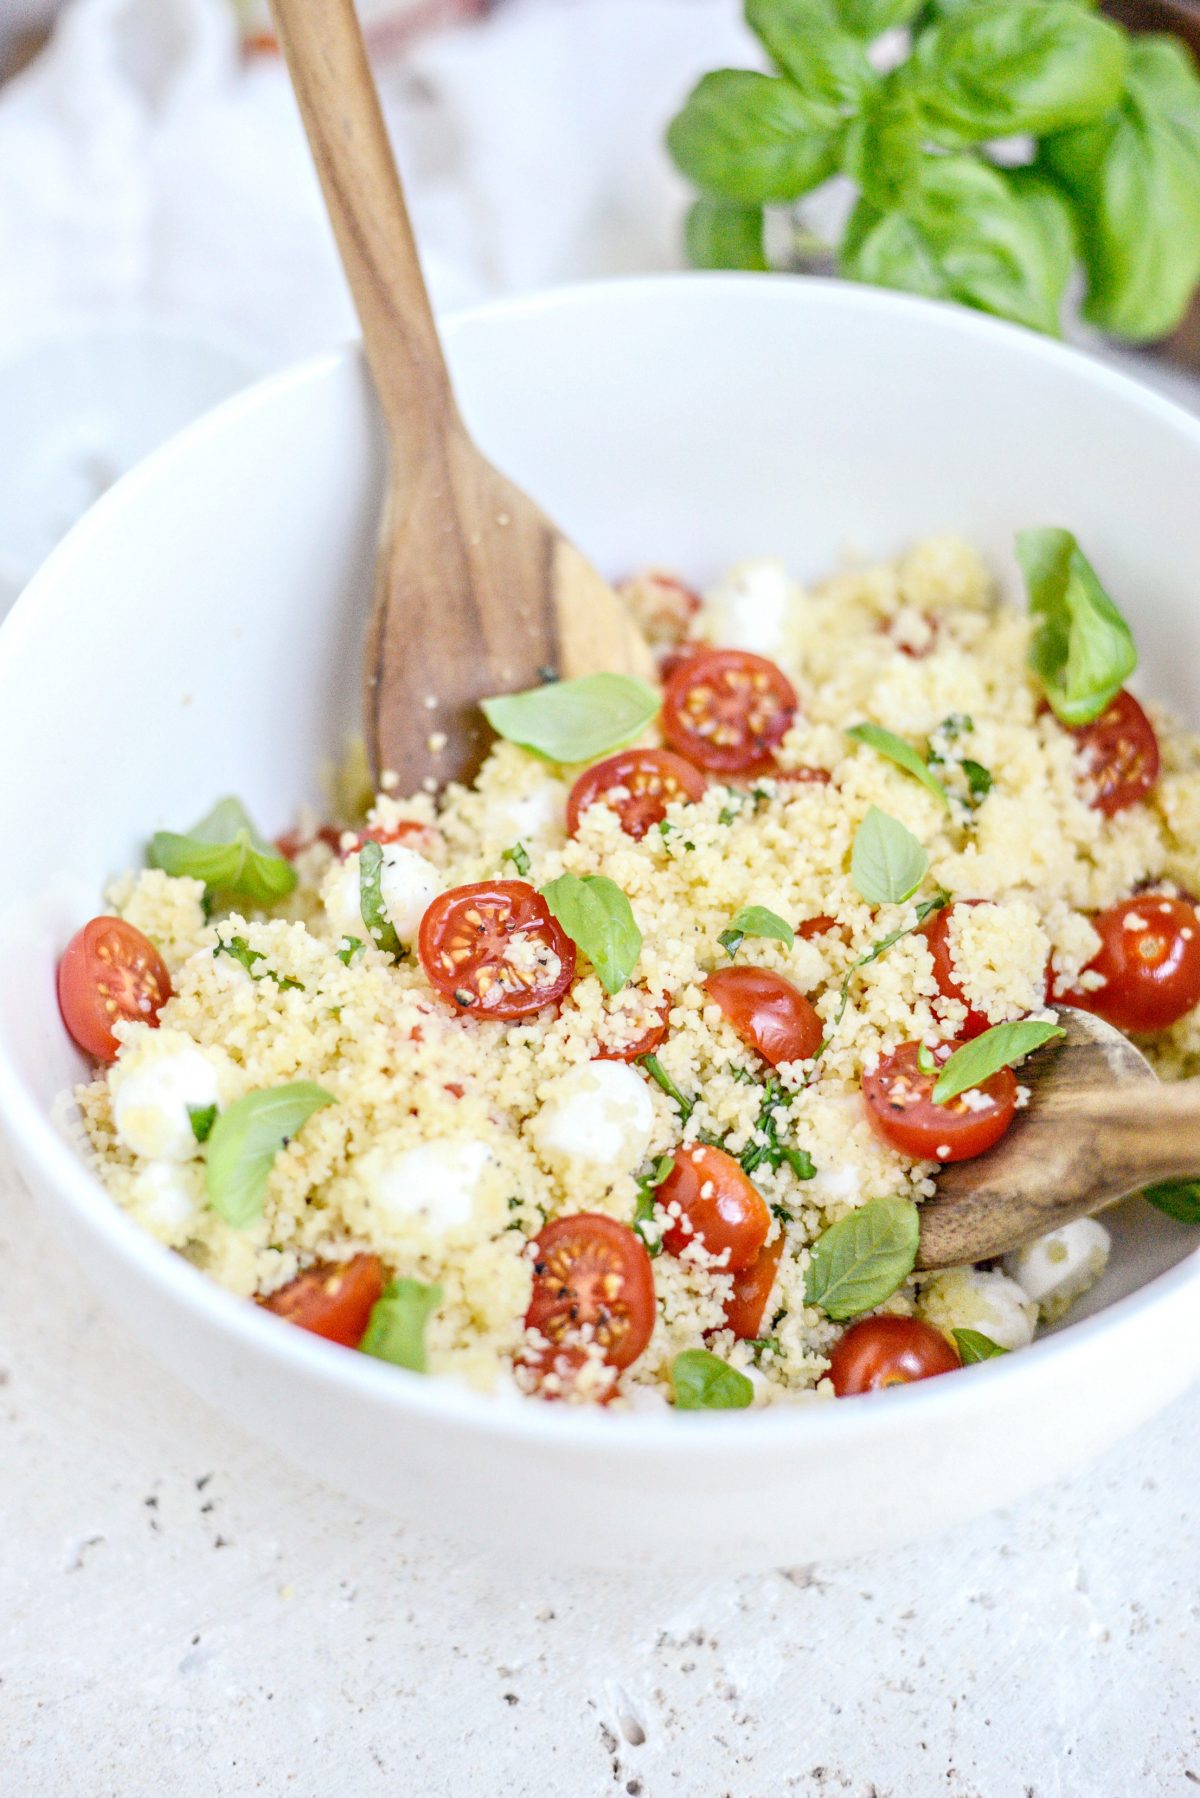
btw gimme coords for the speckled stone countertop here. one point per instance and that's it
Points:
(183, 1613)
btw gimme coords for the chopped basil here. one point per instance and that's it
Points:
(769, 1151)
(974, 1346)
(660, 1076)
(370, 900)
(518, 855)
(887, 743)
(1180, 1199)
(926, 908)
(574, 720)
(244, 1141)
(887, 864)
(239, 949)
(703, 1382)
(979, 780)
(352, 946)
(202, 1118)
(598, 918)
(955, 726)
(764, 1345)
(226, 852)
(997, 1048)
(395, 1330)
(755, 920)
(645, 1225)
(1082, 649)
(859, 1262)
(925, 1061)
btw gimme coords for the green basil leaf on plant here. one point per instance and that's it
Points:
(244, 1141)
(598, 918)
(755, 920)
(807, 42)
(974, 1346)
(719, 234)
(882, 148)
(226, 852)
(1180, 1199)
(869, 18)
(997, 1048)
(575, 720)
(701, 1381)
(395, 1330)
(1082, 649)
(859, 1262)
(372, 910)
(895, 749)
(887, 864)
(1024, 68)
(1133, 179)
(752, 138)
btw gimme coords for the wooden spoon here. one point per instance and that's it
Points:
(1099, 1126)
(476, 591)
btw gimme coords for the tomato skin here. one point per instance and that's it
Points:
(752, 1286)
(727, 711)
(803, 776)
(109, 972)
(654, 779)
(767, 1012)
(1120, 755)
(590, 1270)
(1152, 971)
(466, 942)
(731, 1216)
(901, 1110)
(661, 603)
(394, 833)
(333, 1299)
(936, 931)
(293, 842)
(821, 925)
(888, 1351)
(646, 1044)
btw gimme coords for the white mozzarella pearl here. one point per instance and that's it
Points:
(409, 884)
(150, 1100)
(1058, 1268)
(601, 1113)
(533, 817)
(163, 1200)
(750, 608)
(434, 1185)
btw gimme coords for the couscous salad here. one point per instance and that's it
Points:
(620, 1076)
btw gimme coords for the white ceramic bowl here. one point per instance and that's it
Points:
(197, 633)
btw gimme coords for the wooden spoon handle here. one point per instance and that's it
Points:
(339, 105)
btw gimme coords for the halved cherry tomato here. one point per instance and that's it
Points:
(671, 659)
(293, 842)
(888, 1351)
(553, 1375)
(719, 1203)
(752, 1287)
(1150, 959)
(494, 949)
(767, 1012)
(591, 1272)
(402, 832)
(1120, 755)
(821, 925)
(901, 1109)
(936, 931)
(333, 1300)
(109, 972)
(662, 605)
(650, 1039)
(727, 710)
(649, 780)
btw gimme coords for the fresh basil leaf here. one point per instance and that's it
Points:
(373, 911)
(701, 1381)
(1082, 650)
(518, 855)
(244, 1141)
(395, 1330)
(226, 852)
(202, 1118)
(962, 231)
(720, 234)
(755, 920)
(663, 1080)
(352, 947)
(1025, 68)
(1133, 180)
(869, 18)
(997, 1048)
(883, 144)
(598, 918)
(755, 139)
(239, 950)
(859, 1262)
(1180, 1199)
(974, 1346)
(887, 864)
(1049, 214)
(887, 743)
(574, 720)
(925, 1060)
(807, 42)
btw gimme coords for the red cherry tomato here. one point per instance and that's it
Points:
(1120, 755)
(1150, 959)
(936, 931)
(671, 659)
(818, 926)
(553, 1375)
(767, 1012)
(727, 710)
(718, 1203)
(293, 842)
(650, 1039)
(402, 832)
(494, 949)
(752, 1286)
(804, 776)
(331, 1300)
(591, 1272)
(662, 605)
(887, 627)
(900, 1107)
(888, 1351)
(649, 780)
(109, 972)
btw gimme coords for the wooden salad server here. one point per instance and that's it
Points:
(476, 591)
(1099, 1126)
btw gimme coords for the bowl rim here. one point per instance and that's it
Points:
(810, 1423)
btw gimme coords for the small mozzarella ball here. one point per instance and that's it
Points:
(151, 1094)
(601, 1113)
(409, 885)
(1059, 1268)
(536, 816)
(973, 1298)
(342, 899)
(750, 608)
(434, 1185)
(164, 1201)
